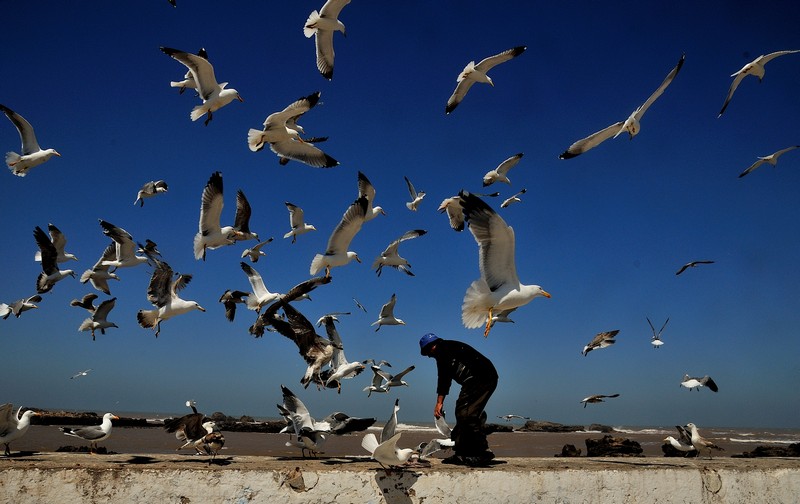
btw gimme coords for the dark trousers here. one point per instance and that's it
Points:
(468, 434)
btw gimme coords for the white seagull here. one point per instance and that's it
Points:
(13, 426)
(656, 339)
(125, 249)
(387, 454)
(473, 73)
(631, 124)
(50, 273)
(596, 398)
(367, 190)
(311, 435)
(700, 443)
(683, 442)
(214, 95)
(498, 288)
(255, 252)
(98, 319)
(512, 416)
(150, 189)
(416, 197)
(390, 256)
(513, 199)
(382, 380)
(59, 242)
(99, 275)
(386, 316)
(500, 174)
(455, 214)
(771, 159)
(260, 296)
(323, 24)
(297, 222)
(19, 306)
(755, 68)
(601, 340)
(80, 374)
(437, 444)
(210, 234)
(163, 294)
(340, 367)
(283, 135)
(691, 382)
(336, 253)
(32, 155)
(93, 433)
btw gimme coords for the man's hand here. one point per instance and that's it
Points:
(437, 410)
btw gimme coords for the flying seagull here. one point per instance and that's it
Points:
(283, 135)
(311, 434)
(500, 174)
(386, 316)
(13, 426)
(214, 95)
(455, 214)
(92, 433)
(241, 221)
(359, 305)
(260, 296)
(390, 256)
(656, 339)
(755, 68)
(80, 374)
(771, 159)
(32, 155)
(19, 306)
(297, 222)
(513, 199)
(367, 190)
(596, 398)
(60, 243)
(512, 416)
(315, 350)
(98, 319)
(473, 73)
(50, 273)
(699, 442)
(601, 340)
(188, 78)
(125, 248)
(211, 234)
(162, 292)
(416, 196)
(99, 275)
(299, 291)
(230, 299)
(498, 287)
(691, 382)
(255, 252)
(340, 367)
(382, 380)
(86, 302)
(631, 124)
(692, 264)
(336, 253)
(323, 24)
(150, 189)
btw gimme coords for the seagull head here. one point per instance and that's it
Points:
(197, 306)
(353, 255)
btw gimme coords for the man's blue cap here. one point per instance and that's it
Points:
(425, 341)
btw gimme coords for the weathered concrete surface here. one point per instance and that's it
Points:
(79, 478)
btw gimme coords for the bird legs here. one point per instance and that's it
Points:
(488, 324)
(208, 118)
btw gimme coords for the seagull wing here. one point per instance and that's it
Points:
(667, 80)
(487, 64)
(158, 291)
(509, 163)
(387, 310)
(495, 241)
(736, 80)
(411, 190)
(256, 282)
(332, 8)
(26, 135)
(8, 422)
(211, 205)
(293, 110)
(295, 215)
(299, 414)
(458, 94)
(323, 43)
(591, 141)
(242, 219)
(365, 188)
(48, 250)
(103, 309)
(123, 239)
(347, 228)
(402, 373)
(58, 238)
(201, 69)
(304, 152)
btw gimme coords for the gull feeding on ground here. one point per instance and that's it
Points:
(391, 257)
(596, 398)
(92, 433)
(19, 306)
(473, 73)
(386, 317)
(260, 296)
(60, 243)
(500, 174)
(283, 135)
(162, 292)
(99, 275)
(150, 189)
(385, 451)
(13, 426)
(601, 340)
(255, 252)
(513, 199)
(631, 124)
(336, 253)
(416, 196)
(771, 159)
(691, 382)
(50, 273)
(656, 339)
(297, 222)
(700, 443)
(214, 95)
(323, 24)
(498, 287)
(125, 249)
(691, 264)
(32, 155)
(98, 319)
(755, 68)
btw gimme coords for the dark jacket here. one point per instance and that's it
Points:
(460, 362)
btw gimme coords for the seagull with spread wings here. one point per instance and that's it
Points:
(473, 73)
(513, 199)
(656, 339)
(341, 369)
(255, 252)
(500, 174)
(99, 275)
(19, 306)
(150, 189)
(601, 340)
(691, 382)
(311, 434)
(124, 248)
(260, 296)
(188, 81)
(99, 318)
(416, 196)
(299, 291)
(771, 159)
(297, 222)
(315, 350)
(60, 243)
(596, 398)
(323, 24)
(386, 317)
(211, 234)
(367, 190)
(336, 253)
(50, 273)
(32, 155)
(391, 257)
(163, 294)
(754, 68)
(692, 264)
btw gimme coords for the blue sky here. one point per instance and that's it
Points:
(604, 233)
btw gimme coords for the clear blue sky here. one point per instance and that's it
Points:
(604, 233)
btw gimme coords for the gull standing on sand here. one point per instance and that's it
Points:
(700, 443)
(500, 174)
(691, 264)
(125, 249)
(32, 155)
(416, 196)
(323, 24)
(13, 426)
(284, 140)
(390, 256)
(99, 275)
(260, 296)
(210, 234)
(596, 398)
(60, 243)
(93, 433)
(163, 294)
(513, 199)
(771, 159)
(691, 382)
(755, 68)
(150, 189)
(631, 124)
(601, 340)
(656, 339)
(367, 190)
(50, 273)
(19, 306)
(473, 73)
(297, 222)
(255, 252)
(498, 287)
(386, 316)
(336, 253)
(214, 95)
(98, 319)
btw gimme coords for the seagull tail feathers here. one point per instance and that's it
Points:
(198, 112)
(370, 442)
(198, 246)
(41, 284)
(475, 308)
(309, 29)
(317, 264)
(147, 318)
(86, 325)
(12, 158)
(255, 140)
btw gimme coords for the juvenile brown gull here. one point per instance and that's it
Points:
(601, 340)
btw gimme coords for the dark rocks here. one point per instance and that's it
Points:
(569, 450)
(600, 427)
(542, 426)
(793, 450)
(494, 427)
(610, 446)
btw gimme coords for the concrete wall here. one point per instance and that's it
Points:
(120, 479)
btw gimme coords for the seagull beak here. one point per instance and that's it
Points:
(57, 154)
(201, 308)
(546, 294)
(240, 98)
(114, 417)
